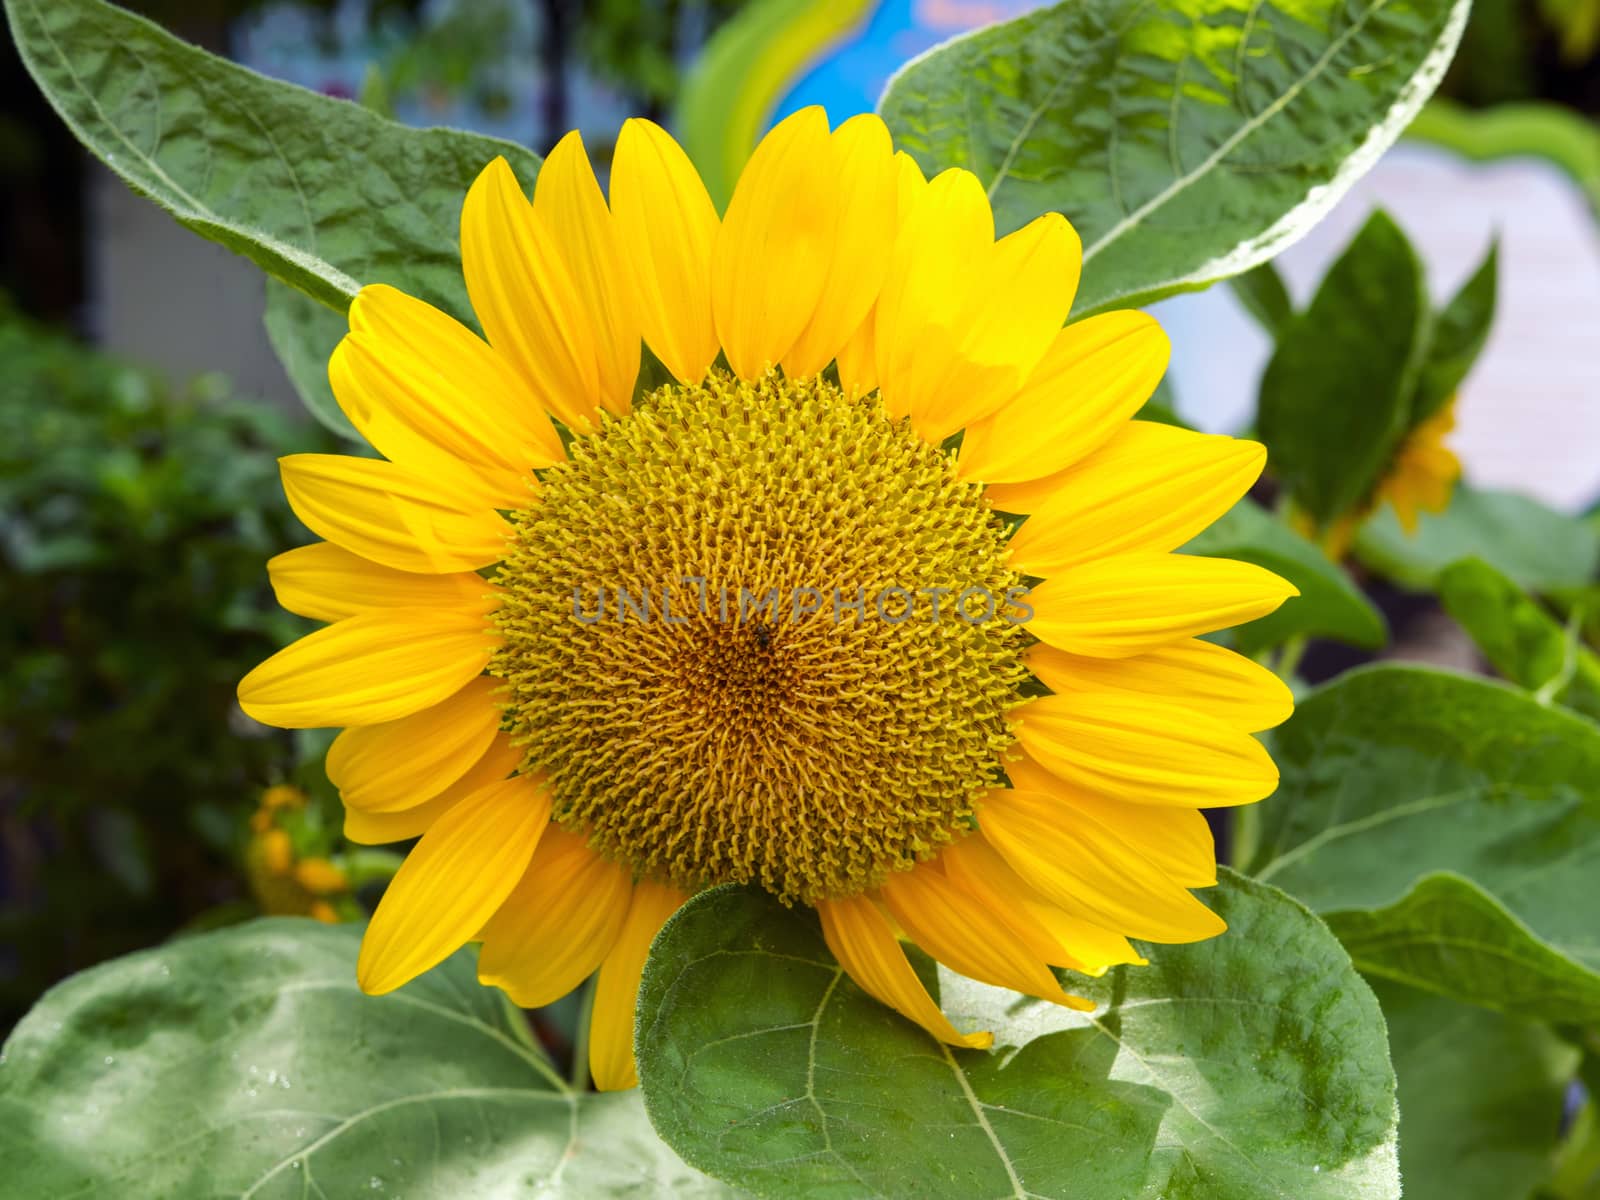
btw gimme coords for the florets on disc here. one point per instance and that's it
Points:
(700, 736)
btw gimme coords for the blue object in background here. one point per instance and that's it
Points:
(852, 76)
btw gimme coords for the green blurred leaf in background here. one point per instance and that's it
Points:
(1336, 397)
(1481, 1096)
(1533, 545)
(1520, 638)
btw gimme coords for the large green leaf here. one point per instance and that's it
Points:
(1336, 396)
(1187, 141)
(1521, 639)
(321, 193)
(1329, 604)
(1480, 1097)
(1537, 547)
(246, 1063)
(1250, 1066)
(1448, 828)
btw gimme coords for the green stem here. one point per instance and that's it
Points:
(1577, 1166)
(1246, 834)
(1289, 658)
(579, 1075)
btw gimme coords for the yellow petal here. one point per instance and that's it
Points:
(452, 882)
(526, 301)
(1200, 675)
(1095, 947)
(864, 192)
(953, 926)
(559, 923)
(401, 763)
(1151, 487)
(667, 226)
(864, 943)
(376, 666)
(1176, 840)
(328, 583)
(391, 515)
(948, 229)
(858, 357)
(1144, 750)
(572, 212)
(776, 243)
(381, 828)
(616, 991)
(442, 381)
(1116, 607)
(1058, 937)
(1016, 307)
(1096, 374)
(363, 380)
(1089, 871)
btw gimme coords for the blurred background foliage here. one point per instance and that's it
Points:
(134, 520)
(136, 513)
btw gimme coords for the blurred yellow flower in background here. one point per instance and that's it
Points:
(283, 884)
(1421, 477)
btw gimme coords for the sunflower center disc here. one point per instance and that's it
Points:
(707, 655)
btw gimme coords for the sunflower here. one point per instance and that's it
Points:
(1424, 471)
(1419, 478)
(282, 882)
(869, 601)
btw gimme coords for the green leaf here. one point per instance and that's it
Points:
(1336, 396)
(1521, 639)
(303, 334)
(1448, 828)
(320, 193)
(1329, 604)
(1481, 1097)
(1261, 291)
(1579, 606)
(1537, 547)
(1186, 141)
(1459, 331)
(1250, 1066)
(246, 1063)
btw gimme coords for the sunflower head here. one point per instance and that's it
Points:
(740, 646)
(873, 604)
